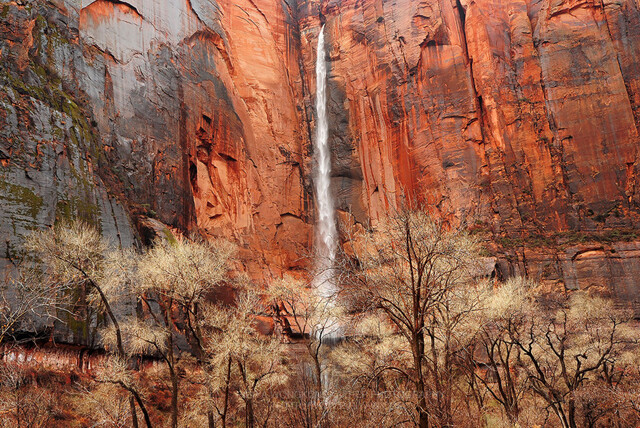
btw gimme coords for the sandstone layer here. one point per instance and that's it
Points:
(518, 117)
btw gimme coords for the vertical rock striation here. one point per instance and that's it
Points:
(205, 106)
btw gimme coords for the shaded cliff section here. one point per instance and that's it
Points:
(50, 148)
(190, 112)
(519, 118)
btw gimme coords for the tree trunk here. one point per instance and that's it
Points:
(418, 352)
(317, 368)
(318, 372)
(120, 353)
(134, 416)
(249, 412)
(226, 394)
(145, 414)
(561, 415)
(171, 363)
(174, 398)
(572, 413)
(423, 415)
(513, 413)
(446, 386)
(17, 401)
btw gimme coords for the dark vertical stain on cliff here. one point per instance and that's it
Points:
(184, 218)
(630, 95)
(306, 184)
(462, 15)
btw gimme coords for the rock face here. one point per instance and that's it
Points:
(519, 117)
(192, 112)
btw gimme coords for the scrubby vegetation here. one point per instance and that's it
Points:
(417, 336)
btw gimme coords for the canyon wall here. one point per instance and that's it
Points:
(191, 112)
(518, 117)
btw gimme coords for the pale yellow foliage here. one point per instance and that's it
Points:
(312, 314)
(410, 257)
(105, 406)
(139, 337)
(233, 334)
(422, 276)
(119, 275)
(75, 254)
(450, 255)
(561, 344)
(592, 326)
(236, 355)
(586, 310)
(375, 346)
(115, 371)
(509, 298)
(72, 252)
(185, 271)
(21, 402)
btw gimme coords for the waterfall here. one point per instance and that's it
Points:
(327, 329)
(326, 233)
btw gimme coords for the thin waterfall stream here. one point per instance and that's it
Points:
(326, 235)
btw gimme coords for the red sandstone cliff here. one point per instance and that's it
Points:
(519, 117)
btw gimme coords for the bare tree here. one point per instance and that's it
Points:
(372, 393)
(77, 257)
(495, 361)
(174, 278)
(414, 269)
(22, 404)
(28, 301)
(552, 345)
(565, 343)
(245, 361)
(104, 404)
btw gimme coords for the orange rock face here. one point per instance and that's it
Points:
(519, 117)
(514, 113)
